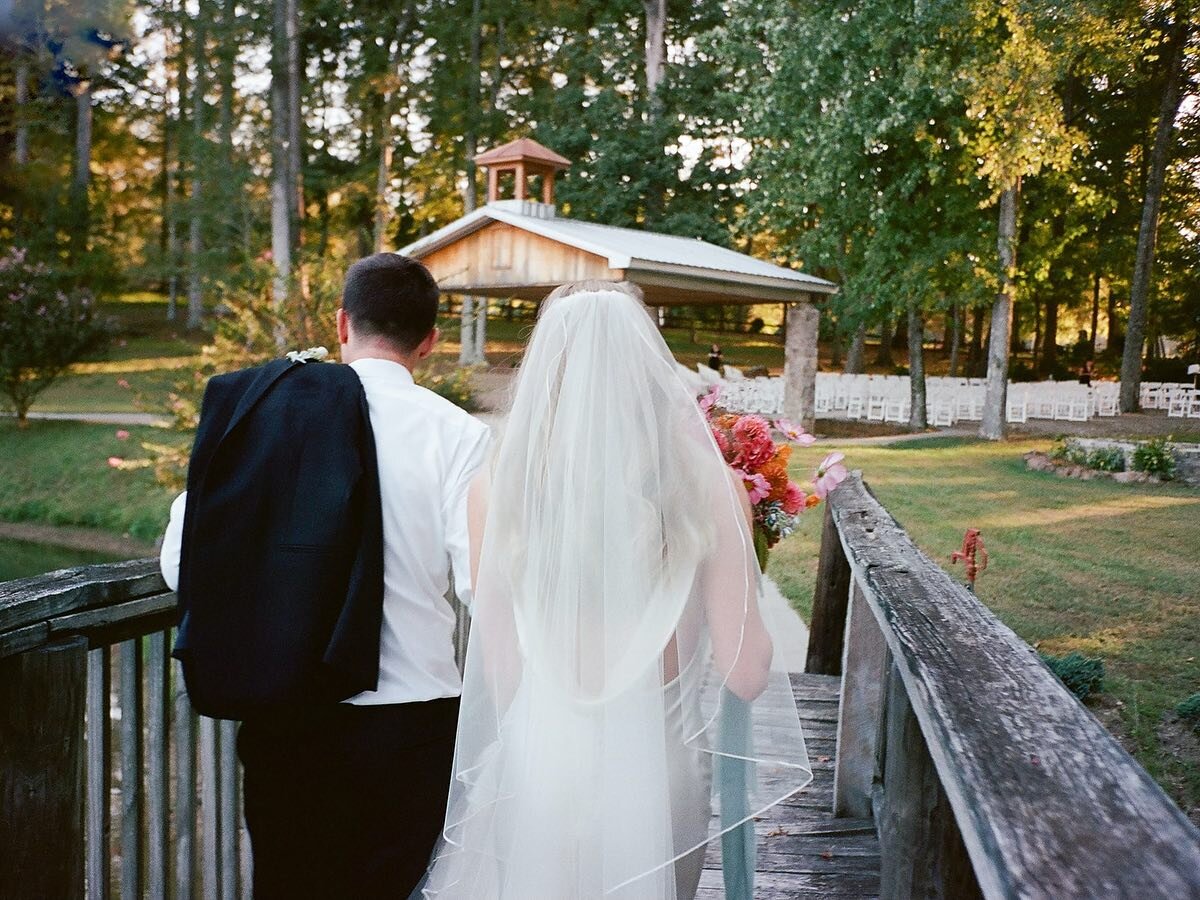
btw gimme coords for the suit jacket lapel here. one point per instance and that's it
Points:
(267, 376)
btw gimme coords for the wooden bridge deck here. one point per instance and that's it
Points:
(803, 850)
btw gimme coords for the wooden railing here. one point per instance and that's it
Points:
(110, 784)
(985, 776)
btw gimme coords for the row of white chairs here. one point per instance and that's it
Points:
(1160, 394)
(1184, 404)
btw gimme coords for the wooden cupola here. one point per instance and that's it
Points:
(523, 157)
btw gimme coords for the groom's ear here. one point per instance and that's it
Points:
(426, 346)
(343, 326)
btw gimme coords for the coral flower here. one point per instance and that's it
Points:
(793, 499)
(753, 437)
(830, 473)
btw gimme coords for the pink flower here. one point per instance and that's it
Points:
(722, 442)
(709, 400)
(114, 462)
(757, 485)
(795, 433)
(122, 383)
(793, 499)
(830, 473)
(122, 434)
(753, 437)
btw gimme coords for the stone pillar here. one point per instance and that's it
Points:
(800, 364)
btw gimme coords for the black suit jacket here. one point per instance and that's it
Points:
(281, 566)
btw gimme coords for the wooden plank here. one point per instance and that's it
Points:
(183, 729)
(830, 598)
(99, 772)
(230, 813)
(27, 638)
(210, 816)
(28, 600)
(42, 700)
(157, 784)
(130, 694)
(860, 707)
(119, 622)
(1048, 804)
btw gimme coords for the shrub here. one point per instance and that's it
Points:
(1066, 450)
(1107, 459)
(1189, 710)
(455, 386)
(1083, 675)
(1154, 457)
(45, 326)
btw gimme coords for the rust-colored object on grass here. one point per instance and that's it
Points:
(973, 554)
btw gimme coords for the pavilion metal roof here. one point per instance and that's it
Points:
(630, 249)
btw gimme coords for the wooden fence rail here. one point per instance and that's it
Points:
(985, 776)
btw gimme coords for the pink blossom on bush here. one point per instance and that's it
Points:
(122, 434)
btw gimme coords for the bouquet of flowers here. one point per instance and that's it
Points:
(749, 449)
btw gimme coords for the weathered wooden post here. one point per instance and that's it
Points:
(800, 363)
(830, 598)
(860, 705)
(42, 694)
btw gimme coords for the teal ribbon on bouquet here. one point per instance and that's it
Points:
(734, 775)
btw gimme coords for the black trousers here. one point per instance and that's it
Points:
(346, 801)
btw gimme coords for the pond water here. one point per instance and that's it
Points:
(21, 559)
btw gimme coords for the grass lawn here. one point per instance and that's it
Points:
(1107, 569)
(57, 473)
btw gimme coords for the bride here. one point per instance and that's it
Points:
(618, 681)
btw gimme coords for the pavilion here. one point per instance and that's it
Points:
(523, 248)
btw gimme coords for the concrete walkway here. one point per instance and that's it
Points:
(102, 418)
(788, 630)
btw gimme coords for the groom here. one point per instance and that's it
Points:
(342, 799)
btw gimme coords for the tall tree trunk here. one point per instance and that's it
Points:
(81, 177)
(858, 347)
(228, 184)
(835, 346)
(295, 122)
(994, 422)
(1049, 357)
(1095, 312)
(1160, 156)
(656, 66)
(281, 194)
(21, 141)
(1037, 335)
(474, 312)
(957, 313)
(975, 349)
(917, 418)
(1014, 345)
(385, 137)
(884, 355)
(195, 291)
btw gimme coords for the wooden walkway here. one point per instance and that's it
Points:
(803, 850)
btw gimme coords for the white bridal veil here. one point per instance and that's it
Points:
(618, 661)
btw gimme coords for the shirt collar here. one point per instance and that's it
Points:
(371, 367)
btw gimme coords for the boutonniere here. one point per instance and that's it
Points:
(312, 353)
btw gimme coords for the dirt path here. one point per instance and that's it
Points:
(76, 539)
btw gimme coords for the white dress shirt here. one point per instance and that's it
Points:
(429, 451)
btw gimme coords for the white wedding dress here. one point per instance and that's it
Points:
(615, 628)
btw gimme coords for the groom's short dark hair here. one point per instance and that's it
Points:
(391, 296)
